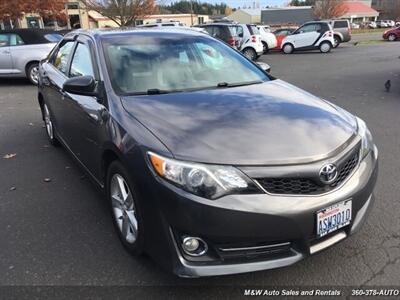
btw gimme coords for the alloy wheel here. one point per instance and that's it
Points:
(124, 208)
(392, 37)
(325, 47)
(34, 74)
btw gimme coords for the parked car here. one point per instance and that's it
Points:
(390, 23)
(249, 41)
(342, 31)
(226, 32)
(268, 39)
(355, 26)
(397, 24)
(392, 34)
(372, 25)
(310, 36)
(382, 24)
(22, 49)
(209, 165)
(280, 34)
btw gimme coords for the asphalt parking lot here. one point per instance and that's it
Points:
(60, 232)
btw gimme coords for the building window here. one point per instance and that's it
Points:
(200, 20)
(73, 5)
(33, 22)
(138, 22)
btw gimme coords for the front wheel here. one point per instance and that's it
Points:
(32, 72)
(125, 208)
(250, 53)
(288, 48)
(325, 47)
(392, 37)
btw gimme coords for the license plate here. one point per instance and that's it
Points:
(333, 218)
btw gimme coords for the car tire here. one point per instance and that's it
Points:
(125, 208)
(32, 72)
(325, 47)
(49, 125)
(250, 53)
(337, 41)
(265, 48)
(288, 48)
(392, 37)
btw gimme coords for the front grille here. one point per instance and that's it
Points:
(255, 252)
(312, 185)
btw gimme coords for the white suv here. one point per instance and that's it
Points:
(310, 36)
(249, 41)
(268, 39)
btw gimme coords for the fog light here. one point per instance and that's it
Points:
(194, 246)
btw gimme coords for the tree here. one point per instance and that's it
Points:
(302, 3)
(15, 9)
(327, 9)
(122, 12)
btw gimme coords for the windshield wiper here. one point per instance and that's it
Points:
(156, 92)
(225, 84)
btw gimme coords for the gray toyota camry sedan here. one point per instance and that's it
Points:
(209, 164)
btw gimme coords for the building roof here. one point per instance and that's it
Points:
(251, 11)
(288, 8)
(358, 7)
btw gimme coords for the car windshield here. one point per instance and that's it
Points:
(144, 64)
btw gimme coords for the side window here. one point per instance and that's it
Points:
(81, 64)
(307, 28)
(209, 29)
(4, 40)
(239, 31)
(318, 27)
(16, 40)
(60, 61)
(217, 33)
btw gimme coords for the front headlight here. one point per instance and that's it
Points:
(208, 181)
(366, 138)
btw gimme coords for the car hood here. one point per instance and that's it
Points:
(268, 123)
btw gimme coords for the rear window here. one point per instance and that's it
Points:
(253, 29)
(340, 24)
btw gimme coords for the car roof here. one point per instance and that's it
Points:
(140, 31)
(31, 36)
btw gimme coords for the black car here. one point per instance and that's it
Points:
(225, 32)
(209, 164)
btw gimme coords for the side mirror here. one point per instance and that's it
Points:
(81, 85)
(240, 35)
(265, 67)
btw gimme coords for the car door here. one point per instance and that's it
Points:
(6, 65)
(86, 114)
(53, 76)
(306, 35)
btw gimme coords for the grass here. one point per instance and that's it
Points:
(368, 30)
(368, 42)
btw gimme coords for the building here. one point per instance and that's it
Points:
(358, 11)
(294, 15)
(186, 19)
(246, 15)
(388, 9)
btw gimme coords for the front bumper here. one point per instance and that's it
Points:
(286, 225)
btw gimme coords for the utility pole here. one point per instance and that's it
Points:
(191, 11)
